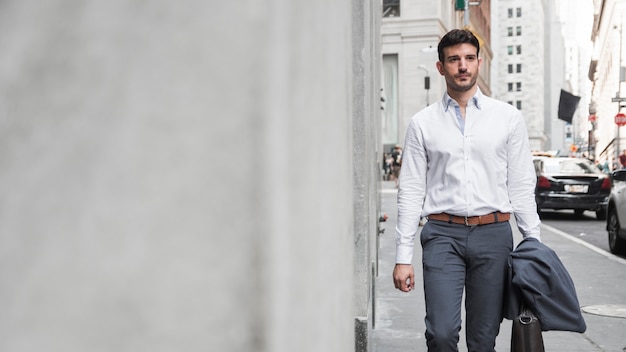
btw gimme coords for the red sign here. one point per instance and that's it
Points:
(620, 119)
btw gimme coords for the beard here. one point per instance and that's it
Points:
(463, 86)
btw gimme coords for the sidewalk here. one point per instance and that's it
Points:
(599, 277)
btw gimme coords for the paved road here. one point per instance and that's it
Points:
(586, 227)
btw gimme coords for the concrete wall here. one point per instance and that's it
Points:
(177, 176)
(367, 161)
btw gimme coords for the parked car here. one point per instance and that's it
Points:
(571, 183)
(616, 221)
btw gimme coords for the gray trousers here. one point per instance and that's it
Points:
(474, 258)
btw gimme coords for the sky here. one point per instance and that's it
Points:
(577, 18)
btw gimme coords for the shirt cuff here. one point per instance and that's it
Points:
(535, 236)
(404, 254)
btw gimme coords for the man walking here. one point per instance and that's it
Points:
(467, 167)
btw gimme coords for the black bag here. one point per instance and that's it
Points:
(526, 333)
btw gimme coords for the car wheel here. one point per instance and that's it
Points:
(579, 212)
(601, 214)
(617, 245)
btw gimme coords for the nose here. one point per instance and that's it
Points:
(462, 63)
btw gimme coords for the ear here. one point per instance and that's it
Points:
(440, 67)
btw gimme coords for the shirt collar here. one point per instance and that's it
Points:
(447, 101)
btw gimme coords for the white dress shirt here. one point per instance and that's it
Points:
(465, 167)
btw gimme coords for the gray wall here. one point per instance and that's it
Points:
(179, 176)
(367, 161)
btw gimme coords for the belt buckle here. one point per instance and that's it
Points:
(466, 223)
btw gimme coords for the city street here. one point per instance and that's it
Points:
(580, 243)
(586, 228)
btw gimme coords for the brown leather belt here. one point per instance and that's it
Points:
(471, 220)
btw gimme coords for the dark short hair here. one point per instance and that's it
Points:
(457, 36)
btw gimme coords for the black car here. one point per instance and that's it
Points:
(571, 183)
(616, 222)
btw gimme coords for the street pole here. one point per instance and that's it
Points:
(619, 90)
(426, 82)
(591, 145)
(466, 13)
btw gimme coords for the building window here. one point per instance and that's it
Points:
(391, 8)
(510, 49)
(518, 104)
(518, 86)
(519, 68)
(510, 13)
(519, 12)
(510, 87)
(518, 30)
(510, 31)
(510, 68)
(518, 49)
(510, 102)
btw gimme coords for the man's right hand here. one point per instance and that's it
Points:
(404, 277)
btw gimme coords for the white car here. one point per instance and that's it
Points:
(616, 219)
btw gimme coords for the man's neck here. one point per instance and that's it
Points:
(462, 97)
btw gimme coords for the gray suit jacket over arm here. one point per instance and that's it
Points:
(539, 280)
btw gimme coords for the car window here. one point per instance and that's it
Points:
(571, 166)
(619, 175)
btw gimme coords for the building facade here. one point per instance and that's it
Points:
(411, 30)
(576, 20)
(606, 72)
(540, 51)
(531, 49)
(520, 51)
